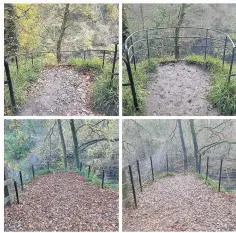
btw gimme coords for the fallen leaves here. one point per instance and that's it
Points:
(63, 202)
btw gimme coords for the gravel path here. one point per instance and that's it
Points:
(178, 89)
(181, 203)
(60, 91)
(63, 202)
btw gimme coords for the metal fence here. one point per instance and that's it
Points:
(17, 62)
(178, 43)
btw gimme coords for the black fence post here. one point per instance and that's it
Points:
(152, 168)
(89, 169)
(48, 166)
(207, 168)
(221, 162)
(17, 65)
(199, 163)
(231, 65)
(10, 86)
(114, 62)
(103, 58)
(103, 176)
(223, 62)
(133, 51)
(206, 44)
(33, 171)
(148, 44)
(84, 54)
(21, 180)
(17, 195)
(80, 166)
(32, 59)
(167, 164)
(133, 188)
(139, 176)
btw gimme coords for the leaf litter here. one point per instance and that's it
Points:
(63, 202)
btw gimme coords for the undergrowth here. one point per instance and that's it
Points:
(92, 177)
(222, 95)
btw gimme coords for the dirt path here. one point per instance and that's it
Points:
(63, 202)
(179, 89)
(60, 91)
(181, 203)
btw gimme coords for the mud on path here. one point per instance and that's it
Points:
(60, 91)
(181, 203)
(63, 202)
(179, 89)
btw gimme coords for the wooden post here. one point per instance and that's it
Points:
(103, 176)
(207, 167)
(152, 168)
(89, 169)
(221, 162)
(167, 164)
(103, 58)
(21, 180)
(17, 196)
(6, 191)
(33, 171)
(139, 176)
(132, 184)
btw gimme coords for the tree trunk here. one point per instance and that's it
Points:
(62, 32)
(75, 140)
(183, 145)
(195, 144)
(62, 142)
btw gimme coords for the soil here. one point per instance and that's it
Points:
(178, 89)
(63, 202)
(60, 91)
(181, 203)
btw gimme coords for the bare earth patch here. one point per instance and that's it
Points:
(60, 91)
(178, 89)
(181, 203)
(63, 202)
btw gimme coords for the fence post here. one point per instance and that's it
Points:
(80, 166)
(206, 44)
(17, 196)
(89, 169)
(152, 168)
(7, 71)
(221, 162)
(6, 191)
(231, 64)
(148, 44)
(132, 183)
(84, 54)
(199, 163)
(226, 40)
(176, 43)
(139, 177)
(32, 59)
(103, 176)
(167, 164)
(48, 166)
(103, 58)
(133, 51)
(33, 171)
(114, 62)
(21, 180)
(17, 65)
(207, 167)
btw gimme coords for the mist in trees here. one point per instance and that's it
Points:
(183, 141)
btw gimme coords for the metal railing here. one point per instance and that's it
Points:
(179, 43)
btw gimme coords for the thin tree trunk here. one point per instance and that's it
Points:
(75, 140)
(195, 144)
(183, 145)
(62, 32)
(62, 142)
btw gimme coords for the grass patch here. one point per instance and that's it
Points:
(222, 95)
(95, 180)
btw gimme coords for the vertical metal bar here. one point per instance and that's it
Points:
(48, 166)
(199, 163)
(207, 168)
(206, 44)
(10, 86)
(167, 164)
(33, 171)
(132, 184)
(221, 162)
(114, 63)
(231, 65)
(133, 51)
(21, 180)
(223, 62)
(139, 177)
(6, 190)
(81, 166)
(130, 75)
(84, 54)
(16, 190)
(103, 176)
(176, 45)
(152, 168)
(32, 59)
(17, 65)
(89, 169)
(147, 36)
(103, 58)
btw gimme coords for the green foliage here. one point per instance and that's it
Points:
(222, 95)
(42, 171)
(95, 180)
